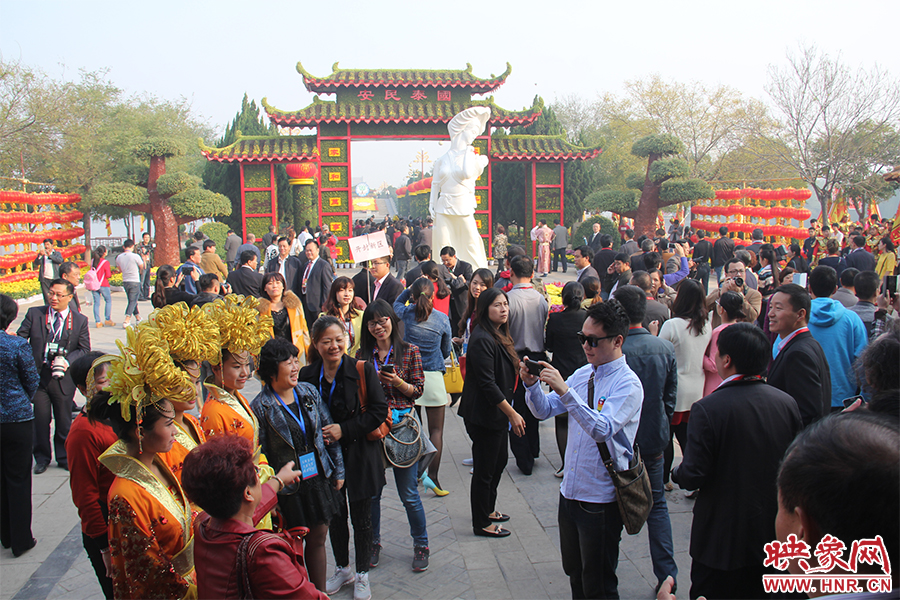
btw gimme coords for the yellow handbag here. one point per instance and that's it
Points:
(453, 379)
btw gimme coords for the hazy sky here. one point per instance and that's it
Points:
(213, 52)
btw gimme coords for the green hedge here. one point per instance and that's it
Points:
(586, 230)
(217, 232)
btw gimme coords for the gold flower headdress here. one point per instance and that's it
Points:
(190, 332)
(145, 374)
(241, 327)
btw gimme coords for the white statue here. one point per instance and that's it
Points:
(453, 202)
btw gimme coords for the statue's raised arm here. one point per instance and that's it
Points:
(452, 202)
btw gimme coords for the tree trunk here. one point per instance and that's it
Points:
(823, 197)
(167, 250)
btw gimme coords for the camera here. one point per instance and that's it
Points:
(57, 359)
(739, 281)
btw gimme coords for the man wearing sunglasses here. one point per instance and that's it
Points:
(603, 401)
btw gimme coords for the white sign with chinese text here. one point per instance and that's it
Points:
(367, 247)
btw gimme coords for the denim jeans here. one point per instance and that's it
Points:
(589, 535)
(718, 271)
(107, 297)
(145, 282)
(132, 291)
(402, 268)
(407, 488)
(659, 527)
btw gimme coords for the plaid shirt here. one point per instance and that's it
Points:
(409, 370)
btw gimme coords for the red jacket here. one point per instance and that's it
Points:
(275, 568)
(89, 480)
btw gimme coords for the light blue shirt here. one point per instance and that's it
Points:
(585, 478)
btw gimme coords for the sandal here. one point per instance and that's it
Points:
(500, 518)
(498, 532)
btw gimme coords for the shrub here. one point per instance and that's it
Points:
(586, 229)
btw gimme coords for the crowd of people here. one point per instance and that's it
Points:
(185, 488)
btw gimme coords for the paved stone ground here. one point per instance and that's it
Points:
(523, 565)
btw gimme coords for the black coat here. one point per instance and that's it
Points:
(173, 296)
(291, 268)
(77, 341)
(863, 260)
(802, 371)
(490, 379)
(589, 271)
(736, 439)
(459, 294)
(364, 287)
(560, 338)
(245, 281)
(317, 287)
(362, 457)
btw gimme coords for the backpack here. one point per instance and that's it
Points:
(92, 280)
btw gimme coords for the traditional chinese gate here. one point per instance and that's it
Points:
(397, 105)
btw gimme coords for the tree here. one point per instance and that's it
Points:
(225, 178)
(823, 107)
(867, 186)
(664, 183)
(170, 199)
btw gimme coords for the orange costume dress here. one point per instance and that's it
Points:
(185, 441)
(150, 530)
(229, 414)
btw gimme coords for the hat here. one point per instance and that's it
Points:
(476, 116)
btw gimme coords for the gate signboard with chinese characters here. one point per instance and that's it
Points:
(391, 104)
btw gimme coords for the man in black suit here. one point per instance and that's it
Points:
(285, 264)
(860, 258)
(376, 282)
(583, 255)
(47, 262)
(58, 336)
(602, 259)
(313, 281)
(459, 294)
(246, 280)
(736, 439)
(800, 367)
(594, 239)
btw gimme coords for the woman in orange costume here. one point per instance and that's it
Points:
(242, 332)
(150, 519)
(192, 337)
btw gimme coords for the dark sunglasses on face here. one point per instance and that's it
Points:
(591, 340)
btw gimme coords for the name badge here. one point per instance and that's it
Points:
(308, 465)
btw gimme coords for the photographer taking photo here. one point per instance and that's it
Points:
(58, 336)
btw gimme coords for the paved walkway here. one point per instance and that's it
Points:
(523, 565)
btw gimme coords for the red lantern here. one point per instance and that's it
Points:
(302, 173)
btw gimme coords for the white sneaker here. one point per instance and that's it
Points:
(342, 576)
(361, 590)
(468, 462)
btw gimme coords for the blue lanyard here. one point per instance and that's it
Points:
(333, 383)
(290, 412)
(386, 358)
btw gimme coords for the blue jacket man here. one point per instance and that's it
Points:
(840, 332)
(653, 360)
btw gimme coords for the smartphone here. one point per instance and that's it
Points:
(388, 368)
(890, 285)
(534, 368)
(800, 279)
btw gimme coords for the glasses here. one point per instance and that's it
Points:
(55, 295)
(591, 340)
(383, 323)
(376, 263)
(738, 273)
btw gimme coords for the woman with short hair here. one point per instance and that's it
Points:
(221, 478)
(291, 417)
(288, 319)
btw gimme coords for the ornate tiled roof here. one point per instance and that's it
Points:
(369, 78)
(323, 111)
(532, 147)
(256, 149)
